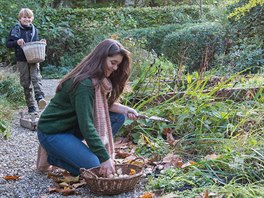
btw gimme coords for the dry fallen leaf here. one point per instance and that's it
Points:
(121, 144)
(170, 157)
(206, 194)
(132, 171)
(147, 195)
(249, 95)
(188, 164)
(170, 139)
(63, 184)
(11, 177)
(170, 195)
(138, 162)
(211, 157)
(173, 160)
(81, 183)
(64, 178)
(166, 130)
(66, 184)
(70, 179)
(122, 154)
(64, 191)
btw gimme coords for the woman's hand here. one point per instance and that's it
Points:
(107, 168)
(132, 114)
(128, 111)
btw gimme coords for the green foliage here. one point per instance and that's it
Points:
(250, 81)
(175, 179)
(10, 98)
(234, 166)
(245, 37)
(86, 27)
(152, 36)
(86, 4)
(242, 10)
(200, 121)
(247, 55)
(149, 74)
(202, 124)
(194, 46)
(243, 191)
(6, 114)
(11, 89)
(3, 127)
(149, 146)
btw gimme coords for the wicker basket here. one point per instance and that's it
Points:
(112, 186)
(34, 51)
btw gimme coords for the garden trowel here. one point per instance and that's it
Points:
(156, 118)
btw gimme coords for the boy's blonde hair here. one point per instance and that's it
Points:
(25, 12)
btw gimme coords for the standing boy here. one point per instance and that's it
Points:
(23, 32)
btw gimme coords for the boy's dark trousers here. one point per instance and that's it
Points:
(30, 80)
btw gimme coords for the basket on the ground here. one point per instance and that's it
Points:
(112, 186)
(34, 51)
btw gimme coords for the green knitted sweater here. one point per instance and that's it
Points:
(74, 109)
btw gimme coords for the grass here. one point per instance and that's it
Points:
(202, 125)
(250, 81)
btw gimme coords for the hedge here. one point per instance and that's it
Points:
(196, 46)
(71, 33)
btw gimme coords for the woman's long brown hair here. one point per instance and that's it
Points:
(93, 66)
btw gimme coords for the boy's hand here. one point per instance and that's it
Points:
(43, 40)
(20, 42)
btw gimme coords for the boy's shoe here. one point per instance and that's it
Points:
(42, 103)
(32, 109)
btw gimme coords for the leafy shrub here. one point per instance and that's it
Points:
(6, 114)
(152, 38)
(195, 46)
(10, 88)
(246, 56)
(84, 27)
(246, 36)
(11, 96)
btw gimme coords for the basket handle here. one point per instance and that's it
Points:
(87, 171)
(137, 158)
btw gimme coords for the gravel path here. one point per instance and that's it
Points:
(18, 156)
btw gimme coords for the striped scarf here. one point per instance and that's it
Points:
(101, 114)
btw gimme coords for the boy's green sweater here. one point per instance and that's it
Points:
(73, 109)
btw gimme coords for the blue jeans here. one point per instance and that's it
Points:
(67, 151)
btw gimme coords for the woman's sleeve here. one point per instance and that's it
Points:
(83, 99)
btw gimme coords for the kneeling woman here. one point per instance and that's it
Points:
(85, 108)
